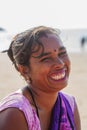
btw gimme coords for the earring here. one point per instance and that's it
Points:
(28, 80)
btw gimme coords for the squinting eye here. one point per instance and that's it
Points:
(62, 53)
(45, 59)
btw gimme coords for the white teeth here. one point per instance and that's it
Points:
(59, 76)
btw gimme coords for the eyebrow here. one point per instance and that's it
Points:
(44, 54)
(62, 48)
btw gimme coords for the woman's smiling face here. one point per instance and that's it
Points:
(50, 71)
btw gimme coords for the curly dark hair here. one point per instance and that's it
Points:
(26, 43)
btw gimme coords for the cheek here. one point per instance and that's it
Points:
(39, 76)
(39, 71)
(67, 62)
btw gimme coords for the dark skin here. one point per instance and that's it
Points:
(12, 119)
(45, 83)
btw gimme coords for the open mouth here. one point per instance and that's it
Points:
(59, 75)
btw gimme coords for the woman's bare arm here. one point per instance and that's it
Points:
(12, 119)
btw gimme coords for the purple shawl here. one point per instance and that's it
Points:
(62, 115)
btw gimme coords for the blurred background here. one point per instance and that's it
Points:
(70, 17)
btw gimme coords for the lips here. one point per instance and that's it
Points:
(58, 75)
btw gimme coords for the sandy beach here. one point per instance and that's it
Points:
(10, 80)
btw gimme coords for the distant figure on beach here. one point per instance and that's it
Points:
(39, 55)
(83, 42)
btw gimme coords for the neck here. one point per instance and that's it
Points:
(44, 101)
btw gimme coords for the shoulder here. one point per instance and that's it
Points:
(12, 119)
(18, 101)
(15, 99)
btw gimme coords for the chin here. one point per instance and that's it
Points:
(59, 87)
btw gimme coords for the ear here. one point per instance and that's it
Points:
(24, 70)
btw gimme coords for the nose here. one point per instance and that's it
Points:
(58, 63)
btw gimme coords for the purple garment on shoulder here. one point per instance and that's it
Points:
(62, 114)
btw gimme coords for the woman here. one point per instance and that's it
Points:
(39, 55)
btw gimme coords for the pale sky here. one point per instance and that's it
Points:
(18, 15)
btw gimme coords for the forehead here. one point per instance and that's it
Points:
(51, 42)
